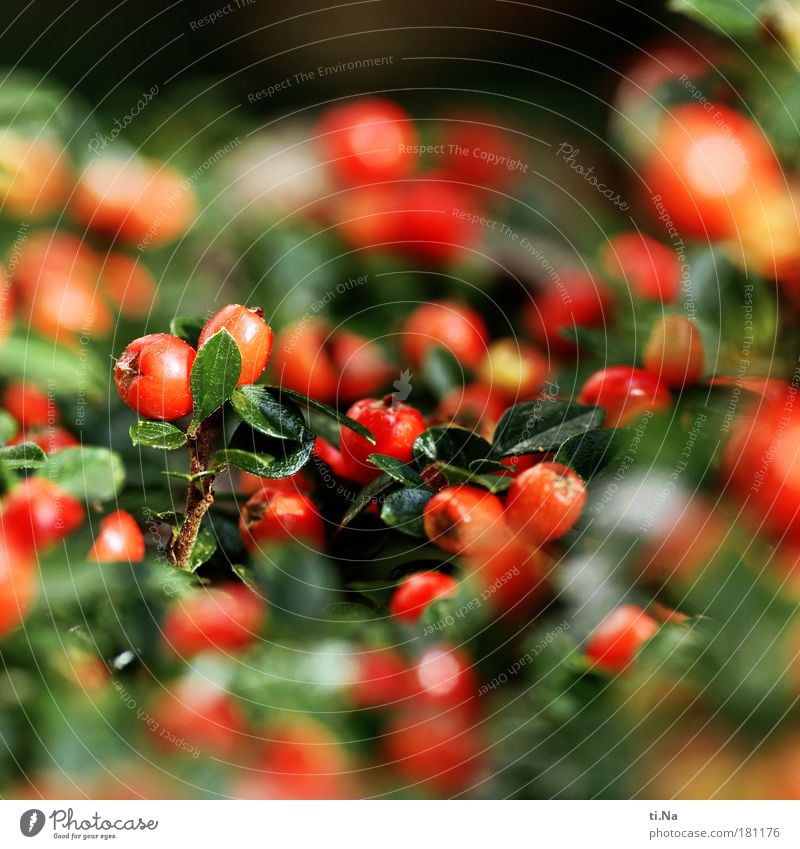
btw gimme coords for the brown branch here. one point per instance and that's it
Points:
(200, 495)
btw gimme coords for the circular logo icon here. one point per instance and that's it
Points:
(31, 822)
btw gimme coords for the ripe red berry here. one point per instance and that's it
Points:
(612, 646)
(367, 140)
(253, 337)
(544, 502)
(444, 677)
(463, 519)
(248, 484)
(442, 750)
(449, 325)
(224, 619)
(708, 163)
(475, 406)
(573, 299)
(119, 540)
(650, 269)
(153, 376)
(49, 439)
(275, 515)
(302, 361)
(394, 425)
(195, 713)
(141, 202)
(362, 366)
(481, 152)
(34, 175)
(41, 513)
(128, 284)
(625, 393)
(331, 456)
(380, 678)
(417, 591)
(674, 352)
(513, 370)
(63, 308)
(29, 405)
(18, 577)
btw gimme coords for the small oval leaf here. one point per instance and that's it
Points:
(215, 374)
(162, 435)
(259, 407)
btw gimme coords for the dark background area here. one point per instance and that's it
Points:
(109, 51)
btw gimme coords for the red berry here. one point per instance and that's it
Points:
(129, 284)
(63, 308)
(53, 253)
(674, 352)
(367, 140)
(381, 678)
(18, 577)
(8, 303)
(41, 513)
(34, 175)
(394, 425)
(141, 202)
(253, 337)
(224, 619)
(274, 515)
(708, 163)
(417, 591)
(463, 519)
(572, 300)
(544, 502)
(444, 678)
(29, 405)
(476, 406)
(446, 324)
(441, 750)
(625, 393)
(331, 456)
(612, 646)
(650, 269)
(362, 366)
(196, 717)
(49, 439)
(302, 361)
(479, 151)
(153, 376)
(249, 484)
(119, 540)
(513, 370)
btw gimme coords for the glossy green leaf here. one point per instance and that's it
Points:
(214, 375)
(587, 453)
(542, 426)
(312, 404)
(27, 455)
(259, 407)
(402, 510)
(397, 469)
(265, 466)
(456, 446)
(161, 435)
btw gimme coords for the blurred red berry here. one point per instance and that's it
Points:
(625, 393)
(40, 513)
(18, 576)
(119, 540)
(651, 270)
(30, 405)
(128, 284)
(275, 515)
(612, 646)
(458, 329)
(674, 352)
(514, 370)
(417, 591)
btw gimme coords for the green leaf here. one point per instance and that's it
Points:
(265, 466)
(456, 475)
(311, 404)
(735, 18)
(215, 374)
(455, 446)
(89, 473)
(259, 407)
(397, 469)
(403, 510)
(443, 372)
(373, 489)
(204, 548)
(162, 435)
(542, 426)
(187, 327)
(28, 455)
(8, 426)
(588, 453)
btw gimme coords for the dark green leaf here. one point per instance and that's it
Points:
(8, 426)
(203, 550)
(542, 426)
(311, 404)
(403, 510)
(28, 455)
(400, 471)
(90, 473)
(214, 375)
(587, 453)
(265, 466)
(455, 446)
(442, 371)
(187, 327)
(365, 496)
(259, 407)
(162, 435)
